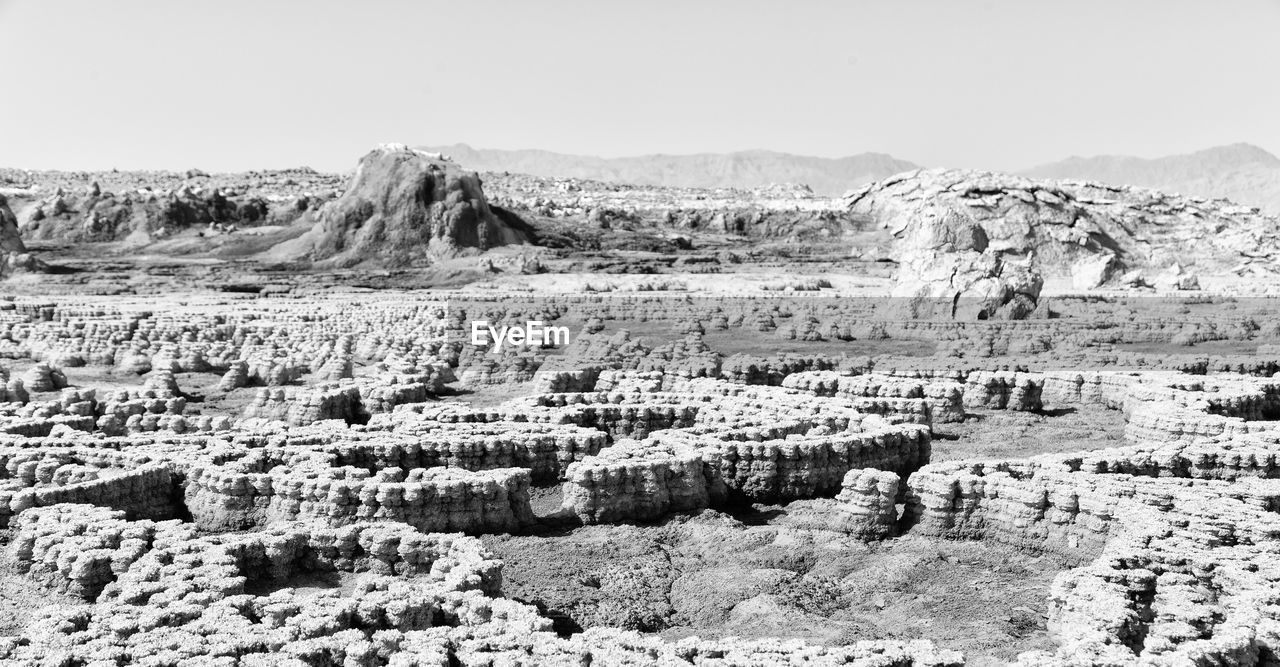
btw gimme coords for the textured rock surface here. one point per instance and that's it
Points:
(14, 257)
(945, 399)
(1059, 222)
(144, 216)
(270, 598)
(759, 444)
(402, 207)
(866, 507)
(297, 532)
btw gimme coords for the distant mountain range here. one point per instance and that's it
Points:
(1243, 173)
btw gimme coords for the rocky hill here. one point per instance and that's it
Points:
(403, 207)
(1063, 221)
(745, 169)
(997, 235)
(1242, 173)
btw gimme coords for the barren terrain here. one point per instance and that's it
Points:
(951, 418)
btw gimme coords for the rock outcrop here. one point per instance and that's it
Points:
(144, 216)
(946, 222)
(403, 207)
(866, 507)
(953, 265)
(13, 252)
(10, 240)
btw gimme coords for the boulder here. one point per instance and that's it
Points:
(1093, 271)
(43, 377)
(1176, 279)
(968, 285)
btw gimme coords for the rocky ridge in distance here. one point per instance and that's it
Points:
(742, 169)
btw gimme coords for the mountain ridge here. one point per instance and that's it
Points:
(1242, 172)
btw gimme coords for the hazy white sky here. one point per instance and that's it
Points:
(1004, 84)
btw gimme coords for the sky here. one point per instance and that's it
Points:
(227, 85)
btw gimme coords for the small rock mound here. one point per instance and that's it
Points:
(403, 207)
(43, 377)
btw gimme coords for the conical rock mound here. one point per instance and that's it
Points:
(403, 207)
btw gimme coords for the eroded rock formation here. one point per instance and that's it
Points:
(403, 207)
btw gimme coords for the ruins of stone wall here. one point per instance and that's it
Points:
(807, 467)
(674, 472)
(1144, 598)
(1253, 455)
(546, 450)
(1256, 401)
(78, 549)
(384, 393)
(352, 401)
(866, 507)
(1156, 422)
(262, 342)
(303, 406)
(1018, 504)
(157, 405)
(1186, 409)
(944, 399)
(421, 599)
(448, 499)
(36, 478)
(502, 369)
(770, 371)
(636, 480)
(1004, 391)
(1106, 389)
(415, 581)
(633, 382)
(1069, 503)
(617, 414)
(557, 381)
